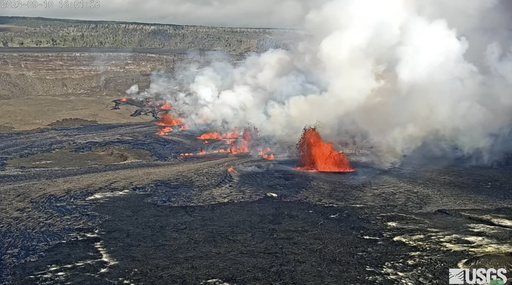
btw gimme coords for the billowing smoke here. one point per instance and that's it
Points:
(396, 75)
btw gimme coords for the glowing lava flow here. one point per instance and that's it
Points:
(238, 144)
(268, 156)
(146, 106)
(228, 137)
(317, 155)
(164, 131)
(210, 136)
(263, 153)
(168, 120)
(245, 142)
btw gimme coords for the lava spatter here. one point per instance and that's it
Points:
(317, 155)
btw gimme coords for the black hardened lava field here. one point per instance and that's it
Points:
(223, 142)
(124, 207)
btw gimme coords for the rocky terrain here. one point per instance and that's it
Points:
(115, 203)
(90, 195)
(41, 32)
(52, 70)
(41, 88)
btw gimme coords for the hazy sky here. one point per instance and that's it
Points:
(240, 13)
(243, 13)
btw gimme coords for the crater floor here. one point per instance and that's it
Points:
(133, 212)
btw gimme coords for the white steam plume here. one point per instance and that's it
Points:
(398, 73)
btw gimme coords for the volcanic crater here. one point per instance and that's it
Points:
(91, 195)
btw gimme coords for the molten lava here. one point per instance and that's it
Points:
(317, 155)
(210, 136)
(237, 143)
(168, 120)
(231, 169)
(228, 137)
(166, 106)
(245, 142)
(268, 156)
(164, 131)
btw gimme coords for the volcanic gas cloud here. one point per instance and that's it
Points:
(317, 155)
(168, 123)
(397, 75)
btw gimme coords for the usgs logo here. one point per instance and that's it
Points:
(489, 276)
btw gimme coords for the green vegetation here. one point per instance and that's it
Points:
(42, 32)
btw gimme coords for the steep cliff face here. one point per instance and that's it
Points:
(38, 89)
(56, 73)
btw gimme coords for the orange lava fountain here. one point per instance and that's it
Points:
(317, 155)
